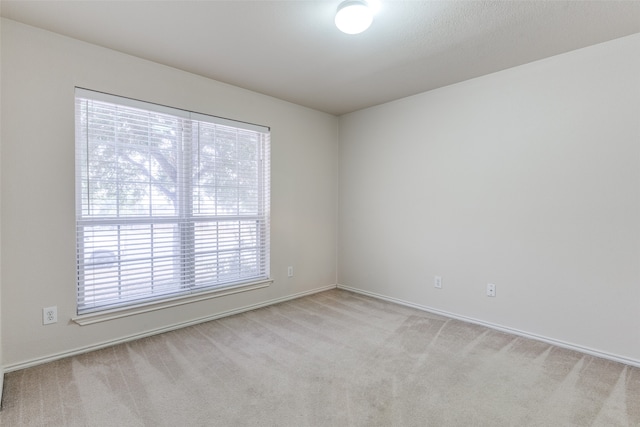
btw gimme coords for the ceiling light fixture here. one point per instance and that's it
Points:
(354, 16)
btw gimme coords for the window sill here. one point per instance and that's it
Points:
(117, 313)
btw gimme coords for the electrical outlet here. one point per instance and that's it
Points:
(290, 272)
(491, 290)
(49, 315)
(437, 282)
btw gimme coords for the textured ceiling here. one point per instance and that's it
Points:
(293, 51)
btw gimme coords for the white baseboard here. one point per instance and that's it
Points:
(552, 341)
(81, 350)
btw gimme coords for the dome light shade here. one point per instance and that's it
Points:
(353, 16)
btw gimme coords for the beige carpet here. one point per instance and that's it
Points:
(330, 359)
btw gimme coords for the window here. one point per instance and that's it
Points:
(168, 202)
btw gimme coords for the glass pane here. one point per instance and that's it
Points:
(128, 262)
(132, 162)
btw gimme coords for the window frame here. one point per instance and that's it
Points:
(184, 219)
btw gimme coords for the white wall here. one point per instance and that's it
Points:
(39, 72)
(528, 178)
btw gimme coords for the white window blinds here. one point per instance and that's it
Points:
(168, 202)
